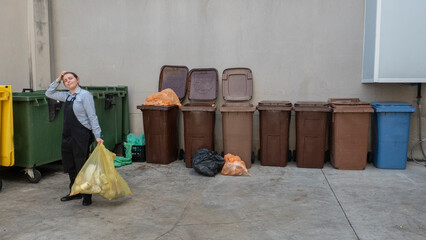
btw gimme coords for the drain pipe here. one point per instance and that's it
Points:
(419, 92)
(419, 107)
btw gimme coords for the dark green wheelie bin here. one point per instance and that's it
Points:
(37, 125)
(112, 109)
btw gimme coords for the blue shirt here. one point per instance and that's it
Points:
(84, 106)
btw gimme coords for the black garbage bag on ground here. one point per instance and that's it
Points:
(207, 162)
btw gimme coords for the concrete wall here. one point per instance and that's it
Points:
(14, 44)
(297, 50)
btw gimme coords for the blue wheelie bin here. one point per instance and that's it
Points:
(390, 130)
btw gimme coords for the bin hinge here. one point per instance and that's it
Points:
(109, 101)
(27, 90)
(54, 108)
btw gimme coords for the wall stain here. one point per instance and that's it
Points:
(40, 46)
(40, 25)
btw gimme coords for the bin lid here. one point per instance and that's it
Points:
(198, 107)
(346, 101)
(202, 84)
(392, 107)
(349, 105)
(156, 108)
(238, 107)
(174, 77)
(274, 105)
(34, 96)
(237, 84)
(309, 106)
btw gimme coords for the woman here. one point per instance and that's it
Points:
(80, 121)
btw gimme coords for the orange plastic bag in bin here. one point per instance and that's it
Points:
(98, 176)
(164, 98)
(234, 166)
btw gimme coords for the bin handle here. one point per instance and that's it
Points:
(226, 76)
(27, 90)
(4, 96)
(100, 95)
(39, 102)
(352, 100)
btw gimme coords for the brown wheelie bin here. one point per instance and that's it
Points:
(237, 113)
(160, 123)
(199, 115)
(274, 119)
(350, 123)
(311, 133)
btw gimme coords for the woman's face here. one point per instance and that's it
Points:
(70, 81)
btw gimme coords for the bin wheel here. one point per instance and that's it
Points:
(252, 157)
(327, 156)
(181, 154)
(369, 157)
(33, 175)
(289, 156)
(258, 155)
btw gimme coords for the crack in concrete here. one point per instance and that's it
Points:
(221, 223)
(191, 199)
(341, 207)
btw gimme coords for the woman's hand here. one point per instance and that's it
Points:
(61, 76)
(99, 140)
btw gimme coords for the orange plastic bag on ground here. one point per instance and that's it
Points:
(234, 166)
(164, 98)
(98, 176)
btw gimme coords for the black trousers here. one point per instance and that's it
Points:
(75, 159)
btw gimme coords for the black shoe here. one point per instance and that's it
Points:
(87, 201)
(68, 197)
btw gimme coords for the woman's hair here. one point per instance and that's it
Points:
(75, 75)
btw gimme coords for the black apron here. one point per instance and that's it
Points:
(76, 140)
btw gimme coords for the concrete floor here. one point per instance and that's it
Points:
(173, 202)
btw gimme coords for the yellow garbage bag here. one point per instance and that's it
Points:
(98, 176)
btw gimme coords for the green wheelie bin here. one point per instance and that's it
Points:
(37, 124)
(111, 104)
